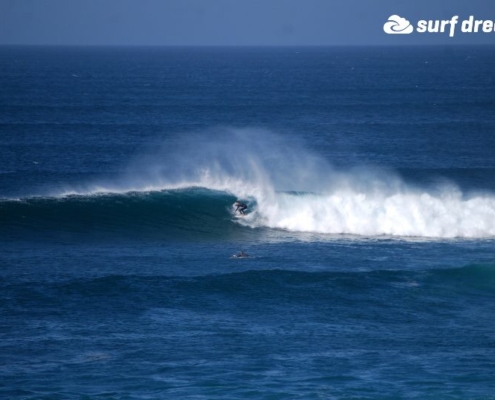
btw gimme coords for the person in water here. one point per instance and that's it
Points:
(241, 254)
(240, 207)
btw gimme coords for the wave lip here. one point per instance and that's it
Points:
(166, 213)
(341, 212)
(191, 185)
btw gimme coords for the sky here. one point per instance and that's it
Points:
(234, 22)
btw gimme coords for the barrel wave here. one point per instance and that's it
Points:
(190, 187)
(164, 213)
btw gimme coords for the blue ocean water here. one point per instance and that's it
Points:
(369, 177)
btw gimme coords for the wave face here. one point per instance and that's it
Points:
(191, 185)
(186, 211)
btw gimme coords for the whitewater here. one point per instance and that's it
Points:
(288, 186)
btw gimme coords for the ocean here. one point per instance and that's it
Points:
(369, 179)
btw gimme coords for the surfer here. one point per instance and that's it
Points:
(241, 254)
(240, 207)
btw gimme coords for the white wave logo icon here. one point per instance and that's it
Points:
(397, 25)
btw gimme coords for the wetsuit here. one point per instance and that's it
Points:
(241, 207)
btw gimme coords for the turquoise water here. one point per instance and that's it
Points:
(369, 179)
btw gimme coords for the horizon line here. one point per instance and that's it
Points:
(249, 45)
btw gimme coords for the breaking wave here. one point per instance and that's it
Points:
(191, 185)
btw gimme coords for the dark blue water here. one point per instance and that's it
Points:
(370, 183)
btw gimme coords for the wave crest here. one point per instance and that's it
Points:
(285, 185)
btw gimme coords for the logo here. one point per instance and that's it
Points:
(397, 26)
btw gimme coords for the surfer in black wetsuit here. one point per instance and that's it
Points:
(240, 207)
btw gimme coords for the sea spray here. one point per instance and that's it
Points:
(289, 187)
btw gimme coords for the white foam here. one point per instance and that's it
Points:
(409, 213)
(264, 167)
(446, 213)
